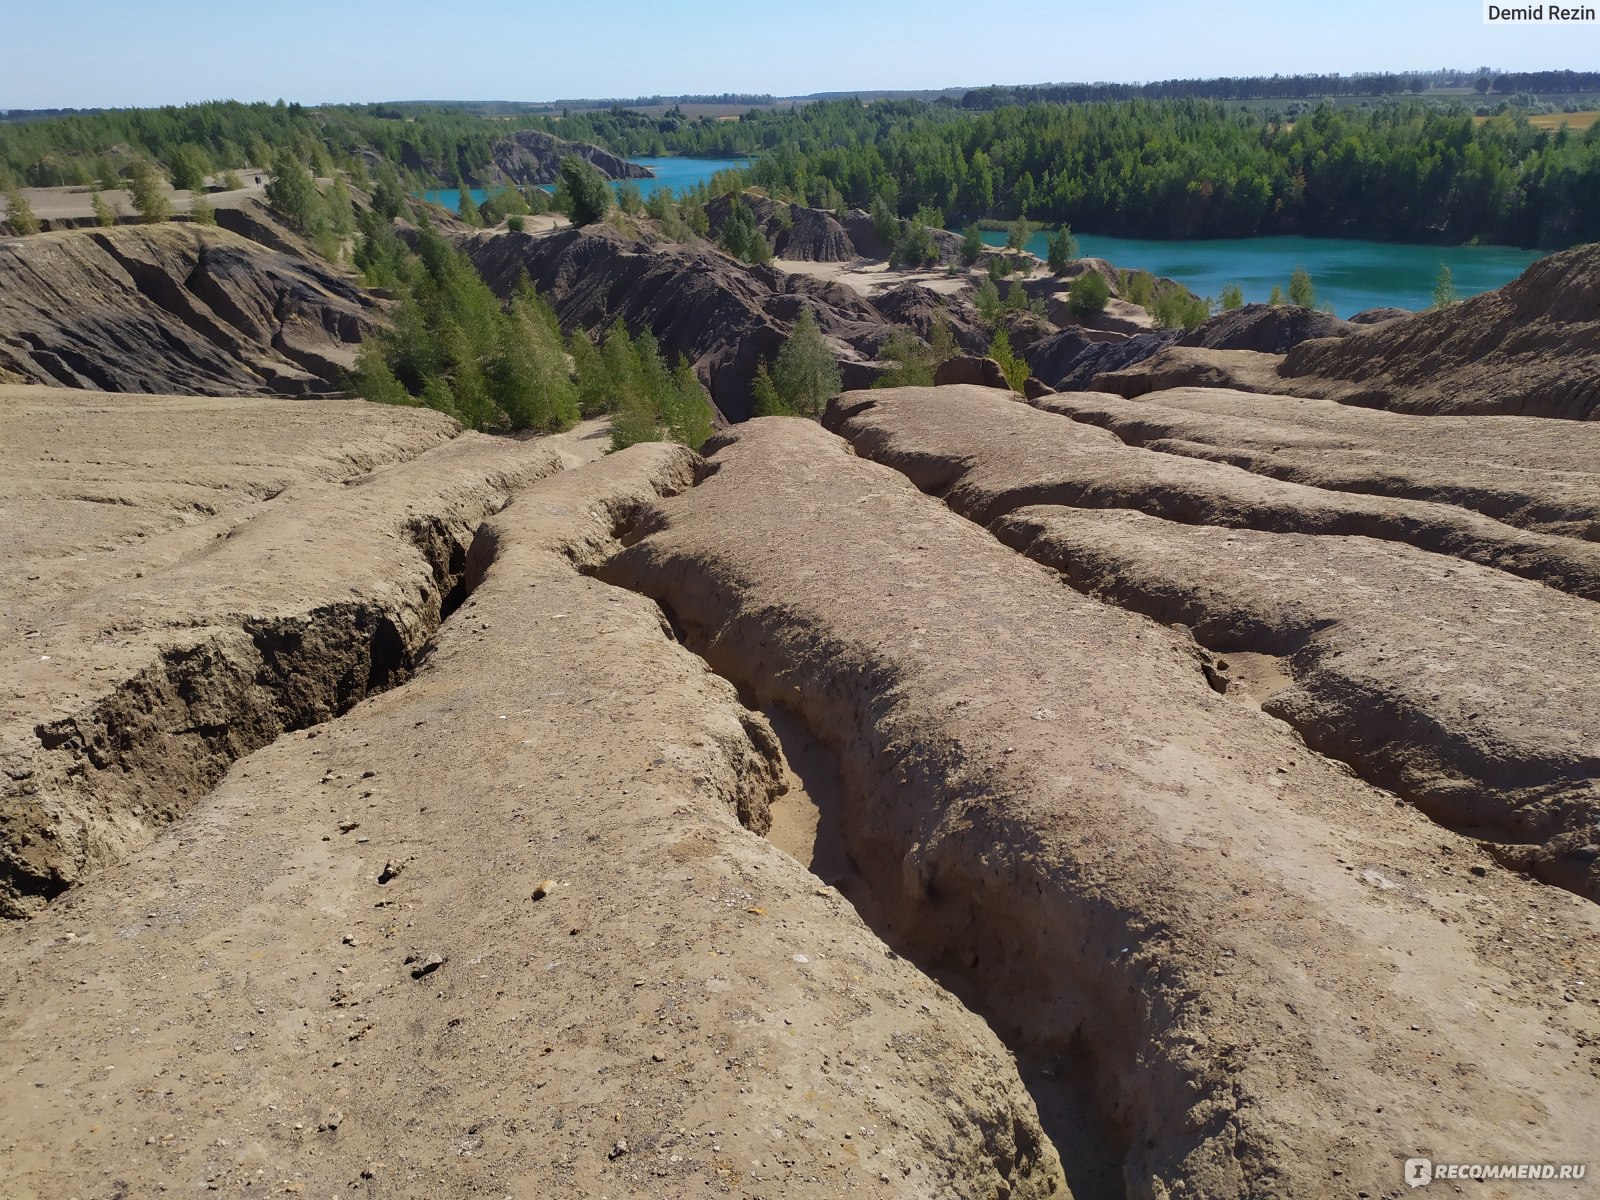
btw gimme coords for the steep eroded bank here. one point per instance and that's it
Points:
(175, 308)
(128, 700)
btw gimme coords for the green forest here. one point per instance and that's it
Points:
(454, 347)
(1396, 169)
(1404, 171)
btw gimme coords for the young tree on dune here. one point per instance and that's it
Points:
(803, 378)
(583, 191)
(144, 189)
(20, 220)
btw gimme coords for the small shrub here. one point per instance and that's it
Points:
(658, 205)
(582, 191)
(20, 219)
(1019, 232)
(971, 246)
(1444, 288)
(1062, 249)
(884, 222)
(1138, 287)
(1088, 295)
(742, 237)
(806, 373)
(916, 247)
(144, 188)
(1175, 308)
(1015, 369)
(987, 300)
(911, 361)
(764, 398)
(1301, 289)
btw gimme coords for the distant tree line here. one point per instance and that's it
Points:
(1406, 170)
(750, 99)
(1401, 169)
(1282, 87)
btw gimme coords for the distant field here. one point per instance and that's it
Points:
(717, 112)
(1574, 121)
(1577, 122)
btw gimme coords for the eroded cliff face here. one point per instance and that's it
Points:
(723, 316)
(1076, 358)
(526, 157)
(1531, 348)
(530, 156)
(175, 309)
(793, 230)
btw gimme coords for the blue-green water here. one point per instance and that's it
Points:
(679, 174)
(1350, 275)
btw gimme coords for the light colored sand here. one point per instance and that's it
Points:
(586, 442)
(69, 203)
(545, 223)
(871, 276)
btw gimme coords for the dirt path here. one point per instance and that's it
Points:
(587, 442)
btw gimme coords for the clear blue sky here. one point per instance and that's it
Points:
(84, 53)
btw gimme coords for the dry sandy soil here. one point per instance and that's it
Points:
(77, 203)
(1176, 798)
(870, 277)
(355, 923)
(1262, 968)
(1448, 682)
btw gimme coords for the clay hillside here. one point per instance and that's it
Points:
(1164, 765)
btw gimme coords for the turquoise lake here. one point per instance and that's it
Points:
(1351, 275)
(679, 174)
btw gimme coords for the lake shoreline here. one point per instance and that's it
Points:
(1352, 274)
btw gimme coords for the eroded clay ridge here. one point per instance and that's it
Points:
(500, 931)
(723, 316)
(1535, 474)
(1036, 458)
(174, 308)
(1276, 980)
(1531, 348)
(126, 702)
(1451, 683)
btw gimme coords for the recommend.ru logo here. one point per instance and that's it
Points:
(1419, 1172)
